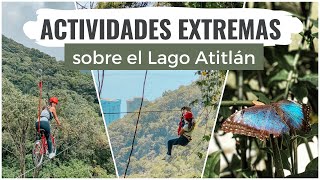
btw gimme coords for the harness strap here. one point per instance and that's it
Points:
(50, 114)
(186, 136)
(181, 124)
(192, 126)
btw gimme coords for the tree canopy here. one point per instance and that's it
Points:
(82, 140)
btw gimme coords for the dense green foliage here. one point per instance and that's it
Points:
(213, 165)
(155, 129)
(22, 66)
(291, 72)
(83, 149)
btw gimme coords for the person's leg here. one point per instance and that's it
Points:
(37, 126)
(37, 129)
(170, 144)
(183, 141)
(46, 126)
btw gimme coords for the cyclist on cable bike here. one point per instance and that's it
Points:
(46, 116)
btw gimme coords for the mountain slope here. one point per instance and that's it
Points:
(25, 66)
(83, 149)
(154, 130)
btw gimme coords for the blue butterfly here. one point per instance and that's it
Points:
(263, 120)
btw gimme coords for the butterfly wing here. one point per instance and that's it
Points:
(256, 121)
(294, 114)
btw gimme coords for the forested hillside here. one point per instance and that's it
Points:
(155, 129)
(22, 66)
(83, 149)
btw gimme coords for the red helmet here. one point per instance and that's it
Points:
(188, 115)
(53, 100)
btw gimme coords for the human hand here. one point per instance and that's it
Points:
(59, 125)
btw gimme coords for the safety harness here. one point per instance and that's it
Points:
(50, 114)
(182, 123)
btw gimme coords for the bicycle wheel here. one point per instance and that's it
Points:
(37, 154)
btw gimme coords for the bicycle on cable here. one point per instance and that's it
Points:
(45, 143)
(40, 148)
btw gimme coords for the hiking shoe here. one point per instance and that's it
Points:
(52, 155)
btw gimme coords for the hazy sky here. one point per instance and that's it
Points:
(15, 14)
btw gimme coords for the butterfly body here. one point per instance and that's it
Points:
(263, 120)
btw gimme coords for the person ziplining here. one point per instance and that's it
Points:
(185, 128)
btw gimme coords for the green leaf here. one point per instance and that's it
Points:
(267, 150)
(313, 132)
(314, 22)
(263, 98)
(299, 91)
(280, 76)
(235, 162)
(200, 155)
(247, 173)
(225, 112)
(309, 135)
(212, 169)
(289, 59)
(278, 97)
(314, 35)
(206, 138)
(313, 165)
(312, 78)
(284, 158)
